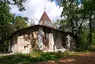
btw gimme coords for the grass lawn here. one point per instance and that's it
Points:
(34, 57)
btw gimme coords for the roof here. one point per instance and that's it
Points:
(46, 27)
(44, 17)
(45, 20)
(35, 28)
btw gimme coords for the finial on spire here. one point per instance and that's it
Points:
(45, 8)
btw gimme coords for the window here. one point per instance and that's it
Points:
(48, 23)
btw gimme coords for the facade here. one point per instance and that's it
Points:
(44, 37)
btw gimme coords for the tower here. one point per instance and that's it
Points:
(45, 21)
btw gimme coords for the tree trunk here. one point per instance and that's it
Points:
(90, 30)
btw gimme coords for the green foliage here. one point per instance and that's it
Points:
(78, 19)
(19, 23)
(7, 26)
(93, 39)
(32, 57)
(5, 20)
(19, 3)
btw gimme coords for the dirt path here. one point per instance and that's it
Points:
(83, 58)
(5, 54)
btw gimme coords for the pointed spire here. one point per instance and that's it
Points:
(45, 20)
(45, 17)
(44, 8)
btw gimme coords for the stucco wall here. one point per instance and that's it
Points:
(58, 42)
(34, 41)
(61, 41)
(22, 44)
(51, 42)
(45, 40)
(70, 44)
(14, 43)
(40, 38)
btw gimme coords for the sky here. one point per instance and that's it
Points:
(35, 9)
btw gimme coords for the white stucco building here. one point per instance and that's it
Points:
(43, 36)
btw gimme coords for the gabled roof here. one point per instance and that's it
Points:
(44, 19)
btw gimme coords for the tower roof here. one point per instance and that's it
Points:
(44, 17)
(45, 20)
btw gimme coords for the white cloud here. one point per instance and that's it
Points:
(35, 9)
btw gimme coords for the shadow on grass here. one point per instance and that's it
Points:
(30, 58)
(83, 58)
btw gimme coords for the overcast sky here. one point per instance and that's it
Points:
(35, 9)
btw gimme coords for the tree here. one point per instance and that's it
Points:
(6, 24)
(14, 2)
(89, 12)
(19, 23)
(76, 17)
(73, 18)
(5, 19)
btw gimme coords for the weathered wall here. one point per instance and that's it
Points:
(45, 40)
(42, 39)
(14, 43)
(62, 41)
(58, 41)
(51, 42)
(70, 44)
(22, 44)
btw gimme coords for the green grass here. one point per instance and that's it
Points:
(32, 57)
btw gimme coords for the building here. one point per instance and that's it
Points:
(44, 37)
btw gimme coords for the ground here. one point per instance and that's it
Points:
(49, 58)
(83, 58)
